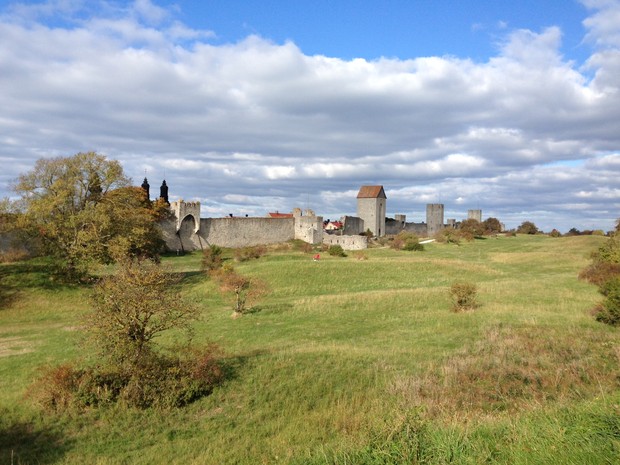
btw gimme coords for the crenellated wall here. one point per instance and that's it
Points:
(186, 233)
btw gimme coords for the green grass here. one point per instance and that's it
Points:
(348, 361)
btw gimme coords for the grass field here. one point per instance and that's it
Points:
(348, 361)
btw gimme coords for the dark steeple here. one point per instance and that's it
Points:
(163, 192)
(146, 187)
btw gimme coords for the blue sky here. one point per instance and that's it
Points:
(398, 28)
(249, 107)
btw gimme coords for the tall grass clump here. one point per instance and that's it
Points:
(464, 296)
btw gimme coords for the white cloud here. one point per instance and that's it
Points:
(256, 121)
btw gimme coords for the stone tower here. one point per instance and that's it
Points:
(474, 215)
(434, 218)
(372, 207)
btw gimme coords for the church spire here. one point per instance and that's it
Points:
(163, 192)
(146, 186)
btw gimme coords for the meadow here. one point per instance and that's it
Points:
(347, 361)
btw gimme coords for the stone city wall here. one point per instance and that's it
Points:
(244, 232)
(346, 242)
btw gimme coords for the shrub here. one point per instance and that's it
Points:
(211, 259)
(55, 389)
(464, 296)
(448, 235)
(609, 310)
(471, 228)
(245, 254)
(159, 381)
(555, 233)
(336, 250)
(242, 290)
(598, 273)
(405, 240)
(608, 252)
(413, 246)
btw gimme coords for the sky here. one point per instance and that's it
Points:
(250, 107)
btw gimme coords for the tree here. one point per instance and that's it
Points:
(527, 227)
(131, 308)
(81, 209)
(471, 228)
(492, 226)
(242, 290)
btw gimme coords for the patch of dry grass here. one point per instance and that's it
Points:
(15, 346)
(511, 370)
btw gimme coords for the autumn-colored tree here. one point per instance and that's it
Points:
(492, 226)
(81, 209)
(527, 227)
(131, 308)
(243, 291)
(471, 228)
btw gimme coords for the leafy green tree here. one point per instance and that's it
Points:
(81, 209)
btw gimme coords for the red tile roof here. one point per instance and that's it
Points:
(279, 215)
(371, 192)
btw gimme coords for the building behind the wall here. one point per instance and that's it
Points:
(474, 215)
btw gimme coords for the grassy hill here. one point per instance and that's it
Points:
(348, 361)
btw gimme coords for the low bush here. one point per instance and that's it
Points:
(448, 236)
(211, 259)
(405, 240)
(336, 251)
(413, 246)
(55, 390)
(609, 310)
(159, 382)
(598, 273)
(464, 296)
(249, 253)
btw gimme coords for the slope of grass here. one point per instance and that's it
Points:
(349, 361)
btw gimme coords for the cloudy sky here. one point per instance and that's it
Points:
(250, 107)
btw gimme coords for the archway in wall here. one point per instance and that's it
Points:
(186, 231)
